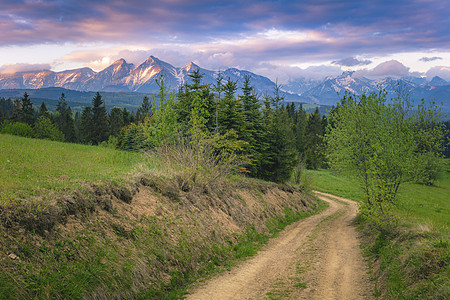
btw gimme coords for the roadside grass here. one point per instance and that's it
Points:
(414, 261)
(102, 249)
(418, 203)
(30, 167)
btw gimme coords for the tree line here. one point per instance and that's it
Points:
(272, 136)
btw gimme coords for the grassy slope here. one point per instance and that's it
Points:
(412, 263)
(143, 249)
(418, 203)
(30, 167)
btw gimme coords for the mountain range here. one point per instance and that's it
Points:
(126, 77)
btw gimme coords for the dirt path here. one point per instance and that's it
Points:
(316, 258)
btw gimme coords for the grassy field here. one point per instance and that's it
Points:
(55, 166)
(428, 205)
(413, 261)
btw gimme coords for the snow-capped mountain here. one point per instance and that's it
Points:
(124, 77)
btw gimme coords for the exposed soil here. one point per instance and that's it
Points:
(316, 258)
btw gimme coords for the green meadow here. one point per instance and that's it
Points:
(417, 203)
(30, 167)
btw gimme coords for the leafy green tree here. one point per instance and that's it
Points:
(46, 129)
(378, 142)
(163, 128)
(64, 120)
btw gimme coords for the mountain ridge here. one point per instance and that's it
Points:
(121, 76)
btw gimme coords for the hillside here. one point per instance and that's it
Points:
(89, 222)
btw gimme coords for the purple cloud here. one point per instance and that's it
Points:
(427, 59)
(351, 62)
(441, 71)
(14, 68)
(392, 68)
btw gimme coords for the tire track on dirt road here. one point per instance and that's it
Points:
(316, 258)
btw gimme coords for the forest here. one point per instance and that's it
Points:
(260, 135)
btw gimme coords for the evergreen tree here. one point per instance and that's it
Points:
(218, 88)
(231, 113)
(64, 120)
(314, 143)
(144, 111)
(27, 110)
(116, 121)
(43, 111)
(17, 114)
(279, 153)
(254, 127)
(86, 125)
(99, 120)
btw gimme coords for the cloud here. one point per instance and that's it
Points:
(427, 59)
(20, 67)
(391, 68)
(441, 71)
(351, 62)
(284, 74)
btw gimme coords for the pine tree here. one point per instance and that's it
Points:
(99, 120)
(64, 120)
(43, 111)
(279, 155)
(254, 127)
(144, 111)
(231, 113)
(86, 125)
(27, 110)
(116, 121)
(314, 143)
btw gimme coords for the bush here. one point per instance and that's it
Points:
(18, 128)
(46, 129)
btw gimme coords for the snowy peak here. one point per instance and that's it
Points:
(190, 67)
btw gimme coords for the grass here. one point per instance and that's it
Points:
(111, 250)
(30, 167)
(418, 203)
(413, 262)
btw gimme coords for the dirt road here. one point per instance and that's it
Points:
(315, 258)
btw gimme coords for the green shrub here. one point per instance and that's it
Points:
(18, 128)
(46, 129)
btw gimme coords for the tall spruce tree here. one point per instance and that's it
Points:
(64, 120)
(144, 111)
(99, 120)
(116, 121)
(314, 153)
(86, 125)
(27, 110)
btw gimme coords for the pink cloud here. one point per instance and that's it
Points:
(441, 71)
(20, 67)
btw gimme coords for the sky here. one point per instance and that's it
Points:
(283, 40)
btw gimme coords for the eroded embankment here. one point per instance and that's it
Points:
(146, 241)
